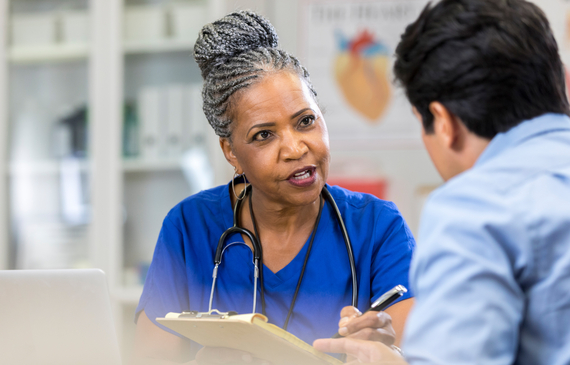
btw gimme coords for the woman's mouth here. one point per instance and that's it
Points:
(303, 177)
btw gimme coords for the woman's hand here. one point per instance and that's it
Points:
(372, 326)
(364, 351)
(223, 355)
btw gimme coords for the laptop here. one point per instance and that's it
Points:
(58, 317)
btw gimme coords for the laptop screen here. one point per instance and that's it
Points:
(56, 317)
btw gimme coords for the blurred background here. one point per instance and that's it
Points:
(102, 131)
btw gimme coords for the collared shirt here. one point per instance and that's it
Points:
(491, 272)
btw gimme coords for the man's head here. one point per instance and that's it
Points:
(491, 64)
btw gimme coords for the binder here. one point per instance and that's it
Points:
(198, 127)
(175, 120)
(150, 116)
(250, 333)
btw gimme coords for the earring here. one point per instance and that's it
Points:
(242, 195)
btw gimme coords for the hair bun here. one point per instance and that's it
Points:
(230, 36)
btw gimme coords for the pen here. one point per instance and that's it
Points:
(384, 301)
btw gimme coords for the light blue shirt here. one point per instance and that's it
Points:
(491, 271)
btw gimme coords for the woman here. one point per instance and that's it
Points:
(261, 104)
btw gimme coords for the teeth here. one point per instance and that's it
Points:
(302, 175)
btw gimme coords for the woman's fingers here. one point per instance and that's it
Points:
(347, 314)
(374, 326)
(387, 337)
(364, 351)
(349, 311)
(340, 346)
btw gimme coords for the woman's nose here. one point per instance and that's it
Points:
(293, 147)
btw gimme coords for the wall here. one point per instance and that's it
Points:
(407, 169)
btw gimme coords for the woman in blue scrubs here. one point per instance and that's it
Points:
(262, 105)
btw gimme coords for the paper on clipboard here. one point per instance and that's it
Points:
(251, 333)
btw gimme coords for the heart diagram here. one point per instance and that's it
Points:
(361, 71)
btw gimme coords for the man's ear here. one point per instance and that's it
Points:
(445, 125)
(229, 154)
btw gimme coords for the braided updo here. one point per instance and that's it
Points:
(233, 53)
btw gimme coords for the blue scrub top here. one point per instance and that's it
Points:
(180, 275)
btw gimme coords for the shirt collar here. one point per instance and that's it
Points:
(523, 131)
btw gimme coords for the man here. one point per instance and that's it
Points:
(491, 272)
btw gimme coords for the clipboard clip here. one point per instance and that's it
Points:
(214, 313)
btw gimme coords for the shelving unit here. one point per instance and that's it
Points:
(151, 187)
(138, 165)
(49, 167)
(125, 194)
(55, 53)
(169, 45)
(63, 53)
(39, 168)
(4, 133)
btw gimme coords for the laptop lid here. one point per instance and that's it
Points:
(56, 317)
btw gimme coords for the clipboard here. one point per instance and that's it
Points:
(246, 332)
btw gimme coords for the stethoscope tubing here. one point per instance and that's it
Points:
(258, 252)
(347, 243)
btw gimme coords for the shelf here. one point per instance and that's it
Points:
(163, 45)
(47, 167)
(128, 295)
(64, 52)
(138, 165)
(50, 167)
(50, 53)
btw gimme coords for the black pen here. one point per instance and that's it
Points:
(384, 301)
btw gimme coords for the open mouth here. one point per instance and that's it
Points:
(303, 177)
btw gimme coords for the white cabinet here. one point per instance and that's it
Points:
(79, 188)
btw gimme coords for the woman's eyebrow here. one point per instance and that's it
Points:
(272, 124)
(261, 125)
(300, 112)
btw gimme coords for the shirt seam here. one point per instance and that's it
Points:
(167, 218)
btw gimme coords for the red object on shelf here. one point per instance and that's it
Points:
(376, 187)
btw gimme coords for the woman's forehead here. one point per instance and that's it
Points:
(276, 95)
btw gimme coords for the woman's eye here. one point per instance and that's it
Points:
(307, 121)
(262, 136)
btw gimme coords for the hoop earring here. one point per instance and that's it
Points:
(242, 194)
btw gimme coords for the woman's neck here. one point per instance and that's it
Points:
(281, 230)
(274, 217)
(280, 219)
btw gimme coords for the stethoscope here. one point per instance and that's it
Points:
(258, 253)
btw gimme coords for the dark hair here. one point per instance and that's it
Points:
(233, 53)
(492, 63)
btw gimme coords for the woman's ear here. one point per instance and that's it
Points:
(226, 146)
(445, 125)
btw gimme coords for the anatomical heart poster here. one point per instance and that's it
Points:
(348, 48)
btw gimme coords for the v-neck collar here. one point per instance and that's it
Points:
(292, 270)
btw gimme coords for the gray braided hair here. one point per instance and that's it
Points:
(233, 53)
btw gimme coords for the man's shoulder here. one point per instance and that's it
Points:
(508, 190)
(514, 169)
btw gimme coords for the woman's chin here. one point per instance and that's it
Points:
(308, 194)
